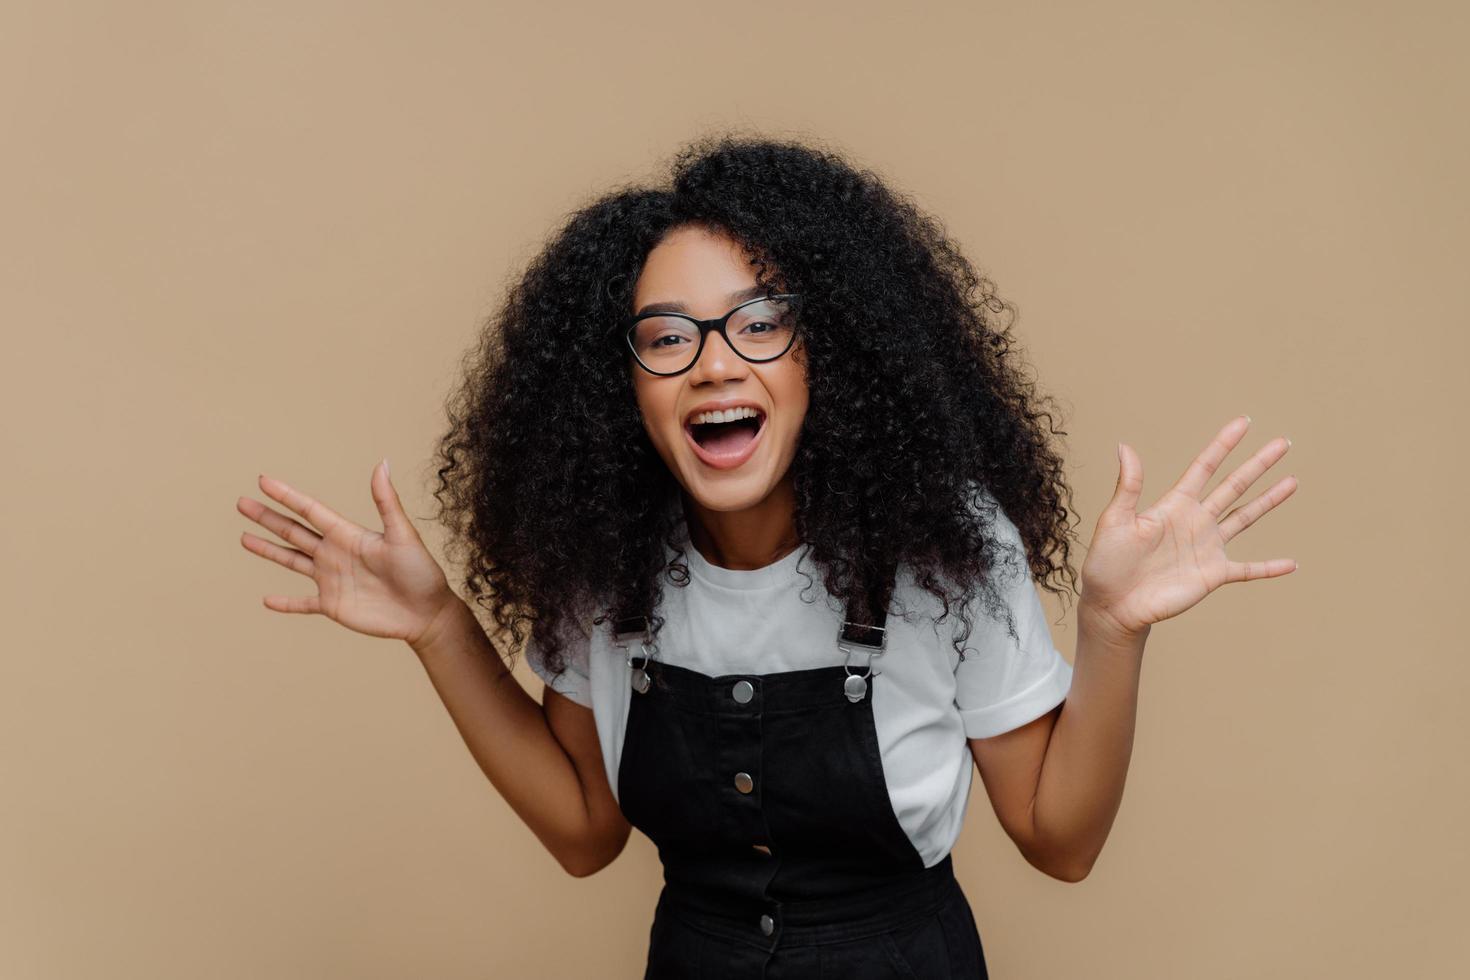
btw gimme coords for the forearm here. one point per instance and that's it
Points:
(507, 733)
(1080, 786)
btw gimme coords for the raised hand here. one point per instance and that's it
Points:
(1142, 568)
(382, 584)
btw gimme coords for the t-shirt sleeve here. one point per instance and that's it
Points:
(574, 682)
(1002, 684)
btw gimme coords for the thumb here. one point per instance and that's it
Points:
(1130, 481)
(395, 521)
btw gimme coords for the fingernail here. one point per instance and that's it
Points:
(1288, 441)
(385, 465)
(1247, 420)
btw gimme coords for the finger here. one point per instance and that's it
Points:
(1199, 472)
(1130, 482)
(1247, 571)
(322, 517)
(396, 525)
(1245, 515)
(292, 532)
(289, 557)
(1240, 479)
(294, 603)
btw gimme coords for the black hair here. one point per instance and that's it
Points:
(919, 408)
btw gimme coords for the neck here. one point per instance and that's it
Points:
(745, 539)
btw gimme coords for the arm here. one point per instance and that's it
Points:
(1057, 782)
(544, 759)
(546, 762)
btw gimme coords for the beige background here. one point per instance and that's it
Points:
(257, 237)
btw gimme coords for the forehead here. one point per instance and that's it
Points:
(698, 269)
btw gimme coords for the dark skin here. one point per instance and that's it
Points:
(1055, 783)
(740, 517)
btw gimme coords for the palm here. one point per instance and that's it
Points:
(1144, 567)
(370, 585)
(382, 584)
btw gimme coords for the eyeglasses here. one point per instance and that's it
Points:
(759, 330)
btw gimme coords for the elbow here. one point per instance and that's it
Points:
(1070, 873)
(1063, 866)
(584, 862)
(581, 870)
(1060, 855)
(581, 865)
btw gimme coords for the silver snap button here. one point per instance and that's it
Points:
(743, 782)
(743, 692)
(768, 924)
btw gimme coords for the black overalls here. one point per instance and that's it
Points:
(781, 852)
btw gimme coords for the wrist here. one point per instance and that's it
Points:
(441, 625)
(1100, 623)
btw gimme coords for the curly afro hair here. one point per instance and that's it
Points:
(920, 417)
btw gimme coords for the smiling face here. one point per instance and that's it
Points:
(722, 467)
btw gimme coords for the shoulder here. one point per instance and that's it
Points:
(573, 636)
(1010, 567)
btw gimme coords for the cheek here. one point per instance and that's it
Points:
(656, 412)
(793, 396)
(797, 421)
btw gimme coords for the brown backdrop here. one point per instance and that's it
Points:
(256, 237)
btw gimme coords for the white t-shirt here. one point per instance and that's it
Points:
(927, 703)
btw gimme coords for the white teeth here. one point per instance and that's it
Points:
(728, 415)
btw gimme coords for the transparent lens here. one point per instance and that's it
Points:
(665, 343)
(758, 331)
(762, 329)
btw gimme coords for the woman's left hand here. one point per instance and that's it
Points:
(1142, 568)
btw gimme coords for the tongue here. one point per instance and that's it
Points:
(727, 440)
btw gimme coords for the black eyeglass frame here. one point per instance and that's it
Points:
(705, 326)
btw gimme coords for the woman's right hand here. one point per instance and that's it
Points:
(384, 584)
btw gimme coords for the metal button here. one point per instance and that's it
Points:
(743, 692)
(743, 782)
(768, 924)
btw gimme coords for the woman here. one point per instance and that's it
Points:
(776, 387)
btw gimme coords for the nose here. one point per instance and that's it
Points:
(717, 362)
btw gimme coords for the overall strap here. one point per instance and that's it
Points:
(629, 628)
(864, 623)
(863, 631)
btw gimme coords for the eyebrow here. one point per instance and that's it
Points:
(674, 306)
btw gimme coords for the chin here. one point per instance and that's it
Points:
(729, 494)
(726, 490)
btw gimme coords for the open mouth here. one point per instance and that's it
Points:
(725, 444)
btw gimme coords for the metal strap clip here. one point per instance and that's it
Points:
(624, 632)
(625, 629)
(863, 639)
